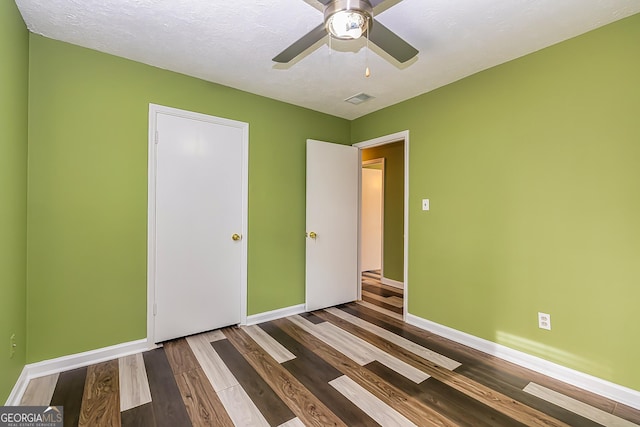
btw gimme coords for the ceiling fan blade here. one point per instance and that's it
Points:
(374, 3)
(325, 2)
(391, 43)
(302, 44)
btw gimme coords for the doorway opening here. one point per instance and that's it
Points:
(383, 224)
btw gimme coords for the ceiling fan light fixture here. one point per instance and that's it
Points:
(348, 19)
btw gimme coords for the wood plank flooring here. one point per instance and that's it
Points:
(378, 296)
(349, 365)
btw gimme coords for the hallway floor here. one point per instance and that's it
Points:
(383, 298)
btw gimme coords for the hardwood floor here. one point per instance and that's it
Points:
(383, 298)
(344, 366)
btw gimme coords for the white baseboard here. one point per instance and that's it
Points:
(73, 361)
(275, 314)
(79, 360)
(391, 282)
(18, 389)
(579, 379)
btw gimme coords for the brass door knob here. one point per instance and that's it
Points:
(313, 235)
(236, 237)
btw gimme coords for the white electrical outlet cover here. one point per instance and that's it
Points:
(425, 204)
(544, 321)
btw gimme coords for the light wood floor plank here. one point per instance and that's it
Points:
(349, 342)
(396, 339)
(484, 394)
(101, 399)
(213, 336)
(578, 407)
(315, 373)
(384, 311)
(304, 404)
(39, 391)
(358, 354)
(312, 388)
(134, 385)
(371, 405)
(293, 423)
(357, 349)
(241, 408)
(271, 346)
(217, 372)
(275, 411)
(415, 410)
(395, 301)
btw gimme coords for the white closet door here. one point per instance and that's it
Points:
(199, 223)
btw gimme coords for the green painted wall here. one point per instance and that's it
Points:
(88, 115)
(14, 69)
(532, 168)
(393, 239)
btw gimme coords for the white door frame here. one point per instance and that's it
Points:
(383, 140)
(154, 110)
(363, 164)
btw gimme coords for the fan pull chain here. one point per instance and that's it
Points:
(367, 72)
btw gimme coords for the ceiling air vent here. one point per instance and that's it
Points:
(358, 99)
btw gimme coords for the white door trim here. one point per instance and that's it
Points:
(382, 140)
(154, 110)
(378, 161)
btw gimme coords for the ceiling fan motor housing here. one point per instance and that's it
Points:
(361, 7)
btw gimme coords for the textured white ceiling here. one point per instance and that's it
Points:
(232, 42)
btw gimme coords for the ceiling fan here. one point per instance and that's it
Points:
(348, 20)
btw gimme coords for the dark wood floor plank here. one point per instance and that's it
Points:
(378, 290)
(497, 382)
(628, 413)
(101, 398)
(323, 371)
(168, 407)
(274, 410)
(472, 360)
(359, 310)
(457, 406)
(471, 388)
(484, 391)
(140, 416)
(494, 370)
(381, 304)
(308, 408)
(180, 356)
(475, 365)
(408, 406)
(312, 318)
(68, 393)
(314, 373)
(203, 404)
(488, 370)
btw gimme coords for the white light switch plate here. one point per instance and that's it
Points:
(425, 204)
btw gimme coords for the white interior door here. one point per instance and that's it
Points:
(371, 223)
(199, 222)
(332, 273)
